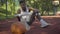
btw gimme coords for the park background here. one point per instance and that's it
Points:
(8, 8)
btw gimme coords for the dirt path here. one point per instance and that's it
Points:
(53, 29)
(36, 29)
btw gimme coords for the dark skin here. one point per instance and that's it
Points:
(23, 6)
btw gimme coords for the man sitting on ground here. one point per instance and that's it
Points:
(32, 13)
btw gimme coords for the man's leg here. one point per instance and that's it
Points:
(43, 22)
(32, 18)
(24, 22)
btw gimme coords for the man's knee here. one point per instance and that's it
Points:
(29, 23)
(31, 20)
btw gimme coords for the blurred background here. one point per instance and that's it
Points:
(8, 8)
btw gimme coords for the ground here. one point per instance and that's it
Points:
(35, 27)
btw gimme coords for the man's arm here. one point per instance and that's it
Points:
(37, 14)
(17, 15)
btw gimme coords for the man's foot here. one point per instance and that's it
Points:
(44, 23)
(45, 26)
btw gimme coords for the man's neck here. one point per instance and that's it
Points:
(24, 9)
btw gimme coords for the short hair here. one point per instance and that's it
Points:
(21, 1)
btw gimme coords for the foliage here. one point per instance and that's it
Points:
(9, 7)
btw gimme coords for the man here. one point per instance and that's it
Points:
(34, 13)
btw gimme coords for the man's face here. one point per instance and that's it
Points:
(23, 5)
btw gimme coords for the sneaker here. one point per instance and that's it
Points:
(43, 23)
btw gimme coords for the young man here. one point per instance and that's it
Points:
(35, 12)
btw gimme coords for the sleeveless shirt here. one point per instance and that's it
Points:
(26, 15)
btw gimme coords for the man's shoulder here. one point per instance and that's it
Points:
(34, 9)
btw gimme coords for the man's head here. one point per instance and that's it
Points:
(22, 3)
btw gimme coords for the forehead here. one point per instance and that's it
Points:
(23, 3)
